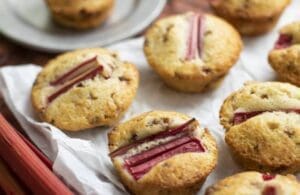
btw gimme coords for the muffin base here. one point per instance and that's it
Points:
(186, 190)
(187, 85)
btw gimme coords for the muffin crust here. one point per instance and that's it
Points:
(97, 101)
(250, 17)
(285, 57)
(267, 139)
(79, 14)
(168, 40)
(180, 174)
(255, 183)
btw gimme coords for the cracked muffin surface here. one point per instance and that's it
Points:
(180, 173)
(192, 51)
(255, 183)
(84, 89)
(80, 14)
(262, 122)
(250, 17)
(285, 57)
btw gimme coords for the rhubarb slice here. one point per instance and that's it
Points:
(84, 71)
(146, 155)
(195, 37)
(284, 41)
(182, 128)
(269, 190)
(181, 142)
(240, 117)
(268, 176)
(76, 71)
(138, 170)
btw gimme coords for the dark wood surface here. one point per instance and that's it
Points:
(14, 54)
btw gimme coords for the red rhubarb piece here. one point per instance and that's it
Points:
(139, 170)
(68, 85)
(26, 165)
(284, 41)
(269, 190)
(195, 37)
(268, 176)
(182, 128)
(75, 72)
(148, 154)
(240, 117)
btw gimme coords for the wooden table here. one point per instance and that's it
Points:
(13, 54)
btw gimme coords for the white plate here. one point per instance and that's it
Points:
(29, 23)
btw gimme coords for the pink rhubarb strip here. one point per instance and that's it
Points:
(240, 117)
(26, 164)
(162, 134)
(195, 38)
(139, 170)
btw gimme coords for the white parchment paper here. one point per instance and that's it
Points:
(81, 158)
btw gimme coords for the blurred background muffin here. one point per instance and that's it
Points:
(250, 17)
(80, 14)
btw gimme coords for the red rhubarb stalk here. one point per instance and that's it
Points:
(240, 117)
(76, 71)
(284, 41)
(182, 128)
(148, 154)
(139, 170)
(195, 37)
(89, 75)
(41, 156)
(8, 182)
(24, 163)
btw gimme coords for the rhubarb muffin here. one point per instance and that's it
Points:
(80, 14)
(250, 17)
(162, 152)
(84, 89)
(262, 122)
(192, 51)
(256, 183)
(285, 57)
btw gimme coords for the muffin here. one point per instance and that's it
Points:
(250, 17)
(162, 152)
(262, 122)
(285, 57)
(84, 89)
(256, 183)
(191, 51)
(80, 14)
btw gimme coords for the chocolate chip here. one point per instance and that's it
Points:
(264, 96)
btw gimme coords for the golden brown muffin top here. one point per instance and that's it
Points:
(285, 57)
(70, 7)
(255, 183)
(187, 168)
(270, 139)
(256, 96)
(98, 100)
(168, 43)
(250, 9)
